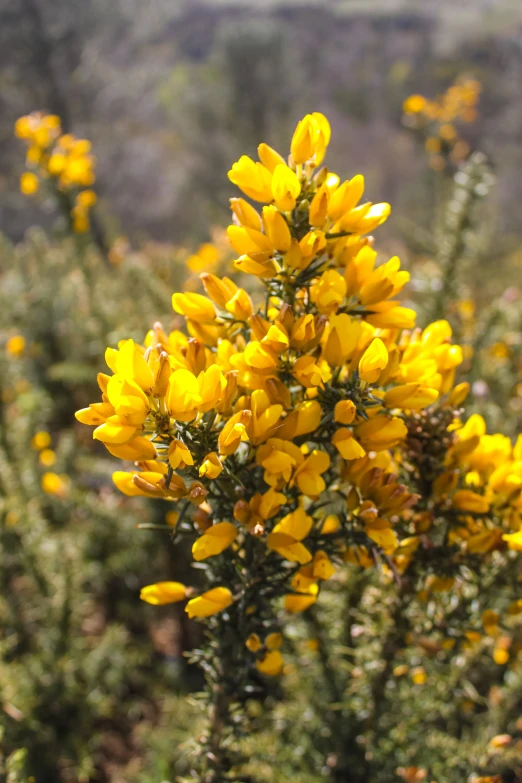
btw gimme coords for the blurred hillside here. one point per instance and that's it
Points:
(152, 83)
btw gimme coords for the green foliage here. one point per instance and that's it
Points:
(76, 658)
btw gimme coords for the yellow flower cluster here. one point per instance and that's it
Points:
(59, 158)
(439, 119)
(483, 483)
(469, 508)
(273, 422)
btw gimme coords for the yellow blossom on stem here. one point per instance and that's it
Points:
(163, 593)
(211, 602)
(214, 541)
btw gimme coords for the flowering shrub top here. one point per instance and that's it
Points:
(60, 159)
(306, 423)
(439, 120)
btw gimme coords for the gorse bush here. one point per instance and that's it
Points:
(78, 666)
(312, 446)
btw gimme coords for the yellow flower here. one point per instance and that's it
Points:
(514, 540)
(234, 432)
(467, 500)
(136, 449)
(253, 643)
(211, 466)
(276, 229)
(381, 432)
(411, 396)
(205, 258)
(319, 207)
(214, 541)
(459, 394)
(129, 401)
(380, 532)
(179, 455)
(41, 440)
(373, 361)
(274, 641)
(96, 413)
(390, 315)
(194, 306)
(269, 157)
(419, 676)
(500, 656)
(305, 418)
(365, 218)
(309, 373)
(248, 241)
(271, 663)
(302, 600)
(209, 603)
(129, 362)
(245, 213)
(322, 566)
(285, 187)
(163, 593)
(347, 446)
(15, 345)
(330, 525)
(344, 412)
(260, 357)
(114, 431)
(310, 139)
(252, 178)
(308, 474)
(328, 292)
(53, 484)
(343, 336)
(265, 417)
(183, 395)
(287, 535)
(29, 183)
(47, 457)
(501, 741)
(279, 458)
(414, 104)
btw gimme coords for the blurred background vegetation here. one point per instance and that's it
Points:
(93, 682)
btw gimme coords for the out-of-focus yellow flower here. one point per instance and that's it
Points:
(500, 656)
(419, 676)
(253, 643)
(271, 663)
(53, 484)
(414, 104)
(47, 457)
(60, 159)
(41, 440)
(501, 741)
(29, 183)
(163, 593)
(15, 345)
(514, 540)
